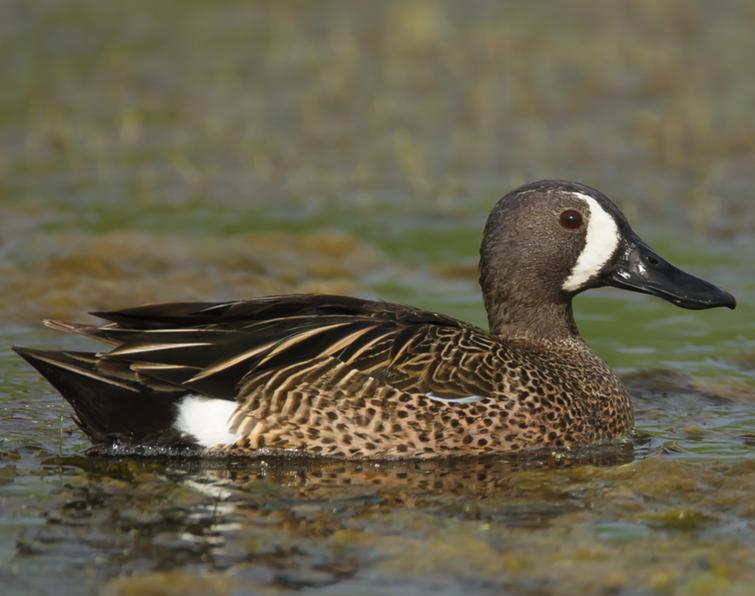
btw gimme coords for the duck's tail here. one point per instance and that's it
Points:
(111, 408)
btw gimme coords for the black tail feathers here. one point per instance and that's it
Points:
(110, 409)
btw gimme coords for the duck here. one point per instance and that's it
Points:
(351, 378)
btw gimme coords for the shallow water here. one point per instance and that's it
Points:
(204, 150)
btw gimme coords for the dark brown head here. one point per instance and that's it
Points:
(547, 241)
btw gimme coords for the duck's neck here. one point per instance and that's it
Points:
(513, 317)
(523, 301)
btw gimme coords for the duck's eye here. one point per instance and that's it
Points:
(570, 219)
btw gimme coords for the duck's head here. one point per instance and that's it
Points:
(547, 241)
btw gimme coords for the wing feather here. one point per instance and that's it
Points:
(272, 345)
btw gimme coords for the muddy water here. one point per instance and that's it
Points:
(211, 150)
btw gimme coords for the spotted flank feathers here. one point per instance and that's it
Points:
(344, 377)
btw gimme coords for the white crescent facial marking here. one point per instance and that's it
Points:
(467, 399)
(206, 419)
(601, 242)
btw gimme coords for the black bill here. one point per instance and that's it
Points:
(637, 267)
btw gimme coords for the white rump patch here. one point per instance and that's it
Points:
(600, 243)
(467, 399)
(206, 419)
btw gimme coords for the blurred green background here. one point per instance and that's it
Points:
(210, 150)
(390, 125)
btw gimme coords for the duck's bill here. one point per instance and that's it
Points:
(640, 269)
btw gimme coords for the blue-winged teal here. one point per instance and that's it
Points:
(344, 377)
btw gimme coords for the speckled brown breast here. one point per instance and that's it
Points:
(551, 395)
